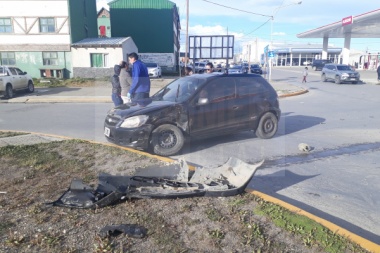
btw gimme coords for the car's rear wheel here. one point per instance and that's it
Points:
(9, 91)
(323, 77)
(167, 140)
(267, 126)
(337, 80)
(30, 88)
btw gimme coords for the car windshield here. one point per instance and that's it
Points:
(150, 65)
(255, 66)
(179, 90)
(344, 68)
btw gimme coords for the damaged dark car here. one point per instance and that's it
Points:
(197, 106)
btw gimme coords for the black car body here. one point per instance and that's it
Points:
(256, 69)
(196, 106)
(319, 64)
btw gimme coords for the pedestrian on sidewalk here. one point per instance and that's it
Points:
(116, 88)
(304, 73)
(140, 86)
(378, 73)
(125, 81)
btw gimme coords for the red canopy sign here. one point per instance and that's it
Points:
(347, 21)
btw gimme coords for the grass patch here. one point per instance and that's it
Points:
(311, 232)
(10, 134)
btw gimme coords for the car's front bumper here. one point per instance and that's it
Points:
(137, 138)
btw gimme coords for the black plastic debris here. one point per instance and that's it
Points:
(227, 180)
(131, 230)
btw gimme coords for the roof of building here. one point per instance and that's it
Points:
(366, 25)
(101, 42)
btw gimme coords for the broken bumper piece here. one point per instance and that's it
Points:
(229, 179)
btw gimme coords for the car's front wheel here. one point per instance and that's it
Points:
(323, 77)
(167, 140)
(337, 80)
(30, 88)
(9, 91)
(268, 125)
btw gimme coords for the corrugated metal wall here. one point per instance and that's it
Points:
(148, 22)
(83, 19)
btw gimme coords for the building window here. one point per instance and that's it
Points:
(47, 25)
(5, 25)
(7, 58)
(99, 60)
(50, 58)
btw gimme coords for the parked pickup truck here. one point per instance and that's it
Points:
(13, 79)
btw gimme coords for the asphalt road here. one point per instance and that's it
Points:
(337, 180)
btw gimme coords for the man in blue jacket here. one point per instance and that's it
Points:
(140, 86)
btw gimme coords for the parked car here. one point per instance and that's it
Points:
(199, 67)
(339, 73)
(236, 69)
(195, 107)
(13, 79)
(306, 63)
(218, 68)
(256, 69)
(154, 70)
(318, 64)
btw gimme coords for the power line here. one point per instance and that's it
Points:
(237, 9)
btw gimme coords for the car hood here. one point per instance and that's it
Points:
(139, 107)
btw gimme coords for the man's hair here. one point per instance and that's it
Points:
(210, 64)
(134, 56)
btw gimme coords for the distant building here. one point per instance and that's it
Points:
(36, 36)
(154, 26)
(104, 23)
(95, 57)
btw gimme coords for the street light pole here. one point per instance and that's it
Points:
(271, 36)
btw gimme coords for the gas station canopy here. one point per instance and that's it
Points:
(366, 25)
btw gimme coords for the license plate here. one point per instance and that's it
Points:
(107, 131)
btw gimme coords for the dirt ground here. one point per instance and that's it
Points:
(32, 176)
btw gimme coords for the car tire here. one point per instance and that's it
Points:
(30, 88)
(167, 140)
(337, 80)
(323, 78)
(267, 127)
(9, 91)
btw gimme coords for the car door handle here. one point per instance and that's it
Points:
(235, 107)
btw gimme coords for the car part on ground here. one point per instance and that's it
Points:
(131, 230)
(339, 73)
(195, 107)
(227, 180)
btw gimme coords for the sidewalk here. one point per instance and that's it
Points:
(102, 93)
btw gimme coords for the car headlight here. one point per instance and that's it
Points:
(134, 121)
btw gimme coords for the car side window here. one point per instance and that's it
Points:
(19, 72)
(248, 86)
(13, 71)
(221, 89)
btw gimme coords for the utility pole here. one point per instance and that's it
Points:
(187, 32)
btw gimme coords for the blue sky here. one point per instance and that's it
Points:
(250, 19)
